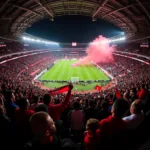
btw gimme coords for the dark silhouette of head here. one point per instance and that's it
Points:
(23, 103)
(76, 105)
(104, 105)
(9, 96)
(91, 103)
(47, 99)
(36, 99)
(41, 107)
(120, 107)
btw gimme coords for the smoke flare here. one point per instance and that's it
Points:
(98, 51)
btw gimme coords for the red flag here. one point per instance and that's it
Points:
(98, 88)
(59, 90)
(118, 95)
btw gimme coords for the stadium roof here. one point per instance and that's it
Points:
(133, 16)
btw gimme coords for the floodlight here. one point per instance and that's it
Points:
(122, 33)
(38, 40)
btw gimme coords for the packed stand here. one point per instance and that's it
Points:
(89, 120)
(31, 118)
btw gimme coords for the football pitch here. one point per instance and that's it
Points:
(63, 70)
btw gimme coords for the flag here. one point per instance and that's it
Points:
(59, 90)
(118, 95)
(98, 88)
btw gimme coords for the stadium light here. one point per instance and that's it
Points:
(109, 41)
(122, 33)
(39, 40)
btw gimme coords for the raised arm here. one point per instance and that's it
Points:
(65, 102)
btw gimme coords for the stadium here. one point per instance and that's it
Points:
(75, 74)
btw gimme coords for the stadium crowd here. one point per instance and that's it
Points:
(117, 118)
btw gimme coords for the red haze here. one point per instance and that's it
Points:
(97, 51)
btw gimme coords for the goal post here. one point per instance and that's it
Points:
(74, 79)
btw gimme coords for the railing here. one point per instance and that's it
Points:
(133, 54)
(2, 62)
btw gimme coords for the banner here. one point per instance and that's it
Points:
(59, 90)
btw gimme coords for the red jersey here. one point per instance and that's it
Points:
(56, 109)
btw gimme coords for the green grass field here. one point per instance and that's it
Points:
(62, 70)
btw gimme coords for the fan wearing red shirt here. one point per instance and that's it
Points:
(56, 109)
(91, 137)
(114, 126)
(103, 137)
(142, 93)
(22, 116)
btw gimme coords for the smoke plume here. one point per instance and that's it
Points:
(98, 51)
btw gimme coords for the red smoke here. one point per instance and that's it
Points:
(98, 51)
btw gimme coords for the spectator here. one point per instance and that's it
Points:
(47, 99)
(56, 109)
(10, 104)
(91, 137)
(103, 113)
(113, 127)
(133, 95)
(126, 95)
(115, 121)
(43, 128)
(41, 107)
(6, 130)
(35, 103)
(143, 93)
(90, 112)
(136, 117)
(76, 118)
(22, 116)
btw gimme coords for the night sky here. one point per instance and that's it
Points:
(66, 29)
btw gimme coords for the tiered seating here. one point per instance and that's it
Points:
(20, 99)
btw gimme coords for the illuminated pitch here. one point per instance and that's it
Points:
(63, 70)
